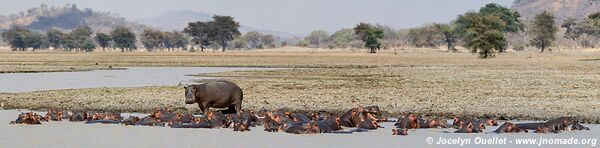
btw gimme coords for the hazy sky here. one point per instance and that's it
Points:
(295, 16)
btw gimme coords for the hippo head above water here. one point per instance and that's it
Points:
(189, 94)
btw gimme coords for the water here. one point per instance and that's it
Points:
(77, 134)
(132, 77)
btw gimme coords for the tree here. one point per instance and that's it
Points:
(88, 45)
(179, 40)
(124, 39)
(509, 17)
(370, 35)
(390, 38)
(317, 38)
(103, 40)
(199, 31)
(152, 39)
(224, 29)
(17, 38)
(569, 24)
(77, 38)
(482, 33)
(448, 34)
(544, 30)
(240, 42)
(425, 36)
(253, 39)
(342, 38)
(55, 38)
(268, 41)
(21, 38)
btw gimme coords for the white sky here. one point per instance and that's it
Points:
(295, 16)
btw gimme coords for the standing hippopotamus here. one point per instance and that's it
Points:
(219, 94)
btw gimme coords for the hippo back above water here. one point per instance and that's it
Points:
(217, 94)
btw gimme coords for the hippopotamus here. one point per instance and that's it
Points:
(369, 124)
(329, 125)
(271, 125)
(66, 114)
(577, 126)
(302, 128)
(217, 94)
(509, 127)
(459, 122)
(79, 116)
(241, 125)
(27, 118)
(321, 115)
(373, 109)
(249, 115)
(298, 117)
(131, 120)
(467, 128)
(434, 123)
(530, 126)
(54, 115)
(408, 122)
(150, 121)
(103, 121)
(400, 131)
(280, 117)
(106, 116)
(352, 117)
(211, 120)
(490, 122)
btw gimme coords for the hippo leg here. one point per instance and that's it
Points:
(238, 107)
(231, 109)
(203, 107)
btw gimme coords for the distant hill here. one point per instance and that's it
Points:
(66, 18)
(561, 8)
(177, 20)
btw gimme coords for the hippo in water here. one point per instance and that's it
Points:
(218, 94)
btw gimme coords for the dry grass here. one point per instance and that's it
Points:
(513, 85)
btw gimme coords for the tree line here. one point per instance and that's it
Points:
(490, 30)
(221, 32)
(79, 39)
(487, 31)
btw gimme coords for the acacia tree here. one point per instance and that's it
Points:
(482, 33)
(103, 40)
(124, 39)
(508, 16)
(425, 36)
(252, 39)
(199, 31)
(224, 29)
(544, 30)
(449, 35)
(342, 38)
(569, 24)
(152, 39)
(370, 35)
(79, 38)
(317, 38)
(179, 40)
(55, 38)
(16, 37)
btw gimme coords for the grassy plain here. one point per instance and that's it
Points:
(515, 85)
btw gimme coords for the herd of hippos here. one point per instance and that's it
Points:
(223, 94)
